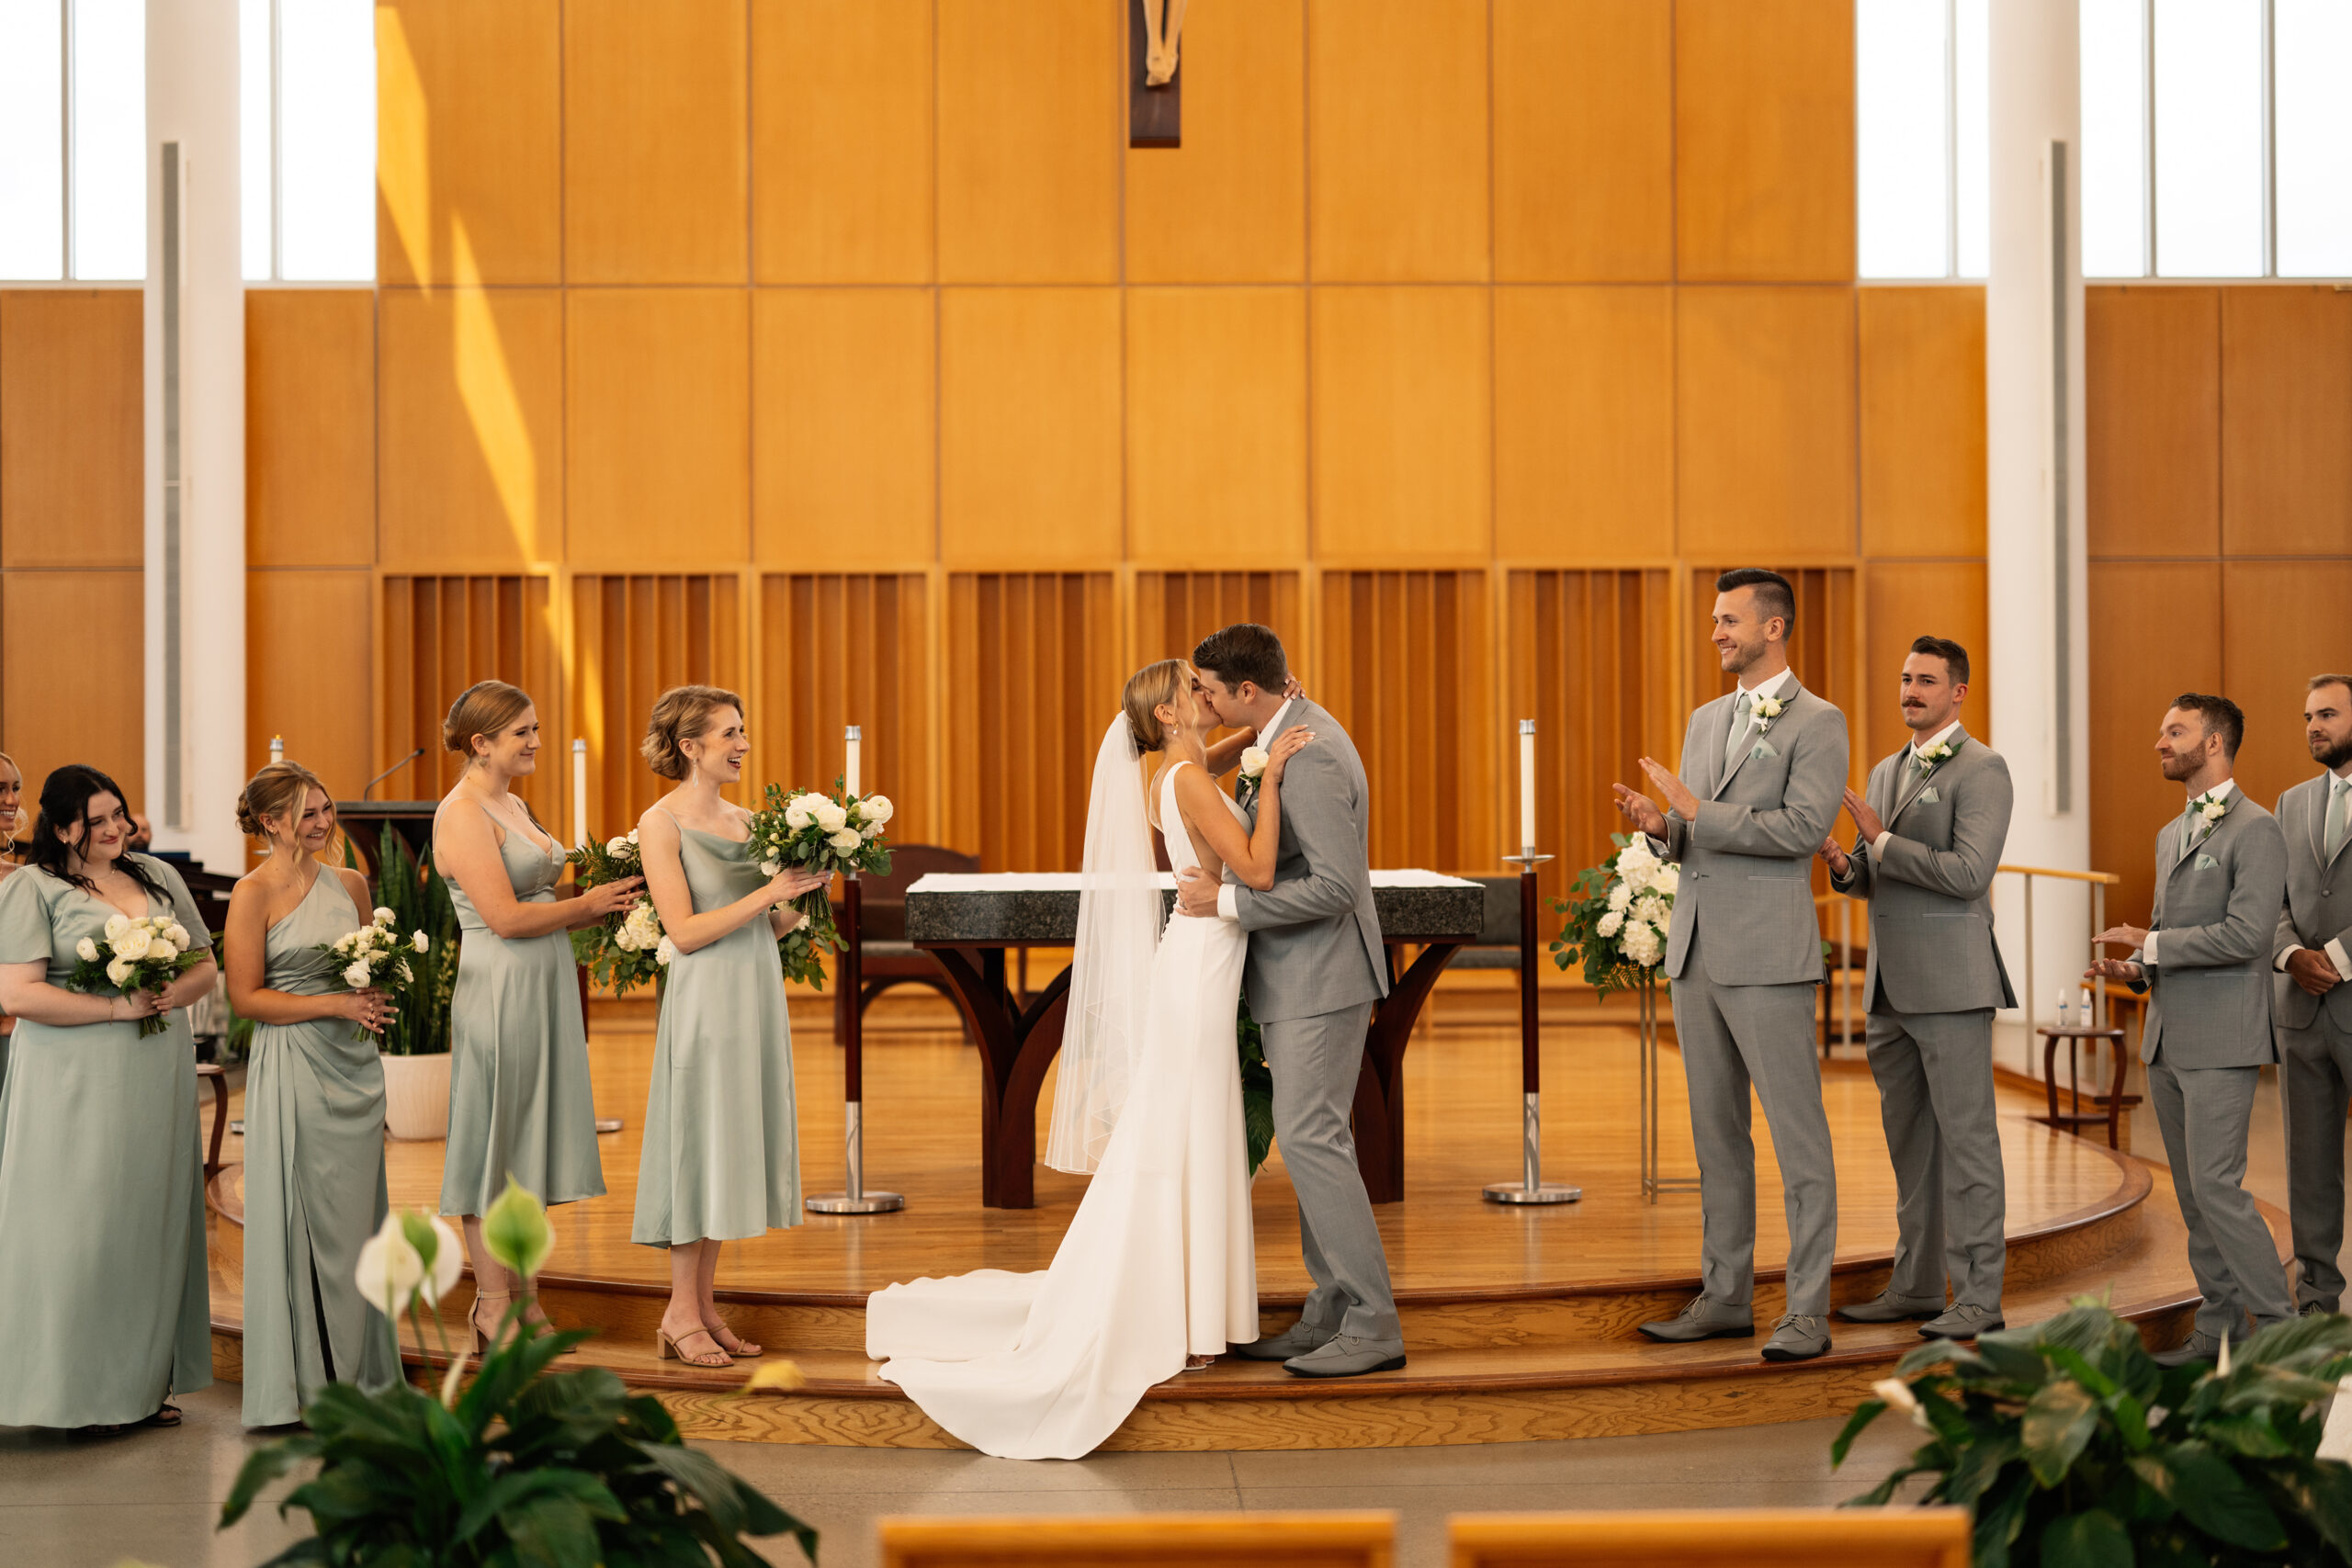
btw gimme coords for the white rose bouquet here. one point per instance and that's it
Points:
(144, 954)
(1618, 921)
(627, 949)
(376, 956)
(824, 832)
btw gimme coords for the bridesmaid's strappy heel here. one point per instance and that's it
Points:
(665, 1348)
(478, 1338)
(741, 1349)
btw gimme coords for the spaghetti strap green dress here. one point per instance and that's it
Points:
(104, 1307)
(721, 1156)
(518, 1073)
(314, 1179)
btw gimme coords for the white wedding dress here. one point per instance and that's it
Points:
(1158, 1261)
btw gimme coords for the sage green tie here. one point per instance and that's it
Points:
(2189, 822)
(2339, 790)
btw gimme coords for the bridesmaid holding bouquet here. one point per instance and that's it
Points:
(721, 1157)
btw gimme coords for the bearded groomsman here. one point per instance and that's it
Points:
(1930, 826)
(2205, 954)
(1763, 767)
(2315, 1005)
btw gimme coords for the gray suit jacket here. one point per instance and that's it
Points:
(2217, 910)
(2316, 913)
(1748, 862)
(1315, 936)
(1931, 905)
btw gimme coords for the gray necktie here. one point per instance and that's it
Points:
(2189, 822)
(1743, 723)
(2339, 790)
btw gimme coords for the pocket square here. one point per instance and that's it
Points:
(2206, 862)
(1929, 795)
(1763, 750)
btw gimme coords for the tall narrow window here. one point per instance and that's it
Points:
(2208, 137)
(2115, 138)
(310, 139)
(73, 138)
(1921, 191)
(2313, 120)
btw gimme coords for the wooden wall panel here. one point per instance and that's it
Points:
(1406, 661)
(469, 443)
(2136, 676)
(843, 169)
(1174, 610)
(1764, 422)
(1826, 646)
(2279, 627)
(72, 466)
(1032, 119)
(1403, 411)
(305, 633)
(2286, 449)
(1031, 677)
(844, 430)
(1922, 431)
(836, 651)
(633, 638)
(1230, 205)
(54, 629)
(1584, 139)
(1584, 422)
(1397, 96)
(658, 426)
(310, 427)
(1216, 425)
(440, 635)
(1906, 600)
(1764, 138)
(1029, 426)
(469, 141)
(2152, 390)
(656, 145)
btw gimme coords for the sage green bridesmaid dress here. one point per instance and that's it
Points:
(314, 1179)
(518, 1075)
(105, 1308)
(721, 1156)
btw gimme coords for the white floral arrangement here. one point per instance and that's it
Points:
(143, 954)
(628, 948)
(824, 833)
(376, 956)
(1618, 924)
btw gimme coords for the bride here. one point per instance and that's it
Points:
(1157, 1274)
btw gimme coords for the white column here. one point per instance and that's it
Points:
(192, 102)
(2033, 419)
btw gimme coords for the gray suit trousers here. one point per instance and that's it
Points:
(1315, 1063)
(1732, 1037)
(2315, 1079)
(2204, 1112)
(1935, 1098)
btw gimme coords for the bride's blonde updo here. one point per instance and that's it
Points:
(1147, 689)
(279, 790)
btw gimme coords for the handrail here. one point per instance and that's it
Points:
(2108, 877)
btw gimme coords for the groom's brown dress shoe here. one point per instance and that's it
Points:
(1296, 1340)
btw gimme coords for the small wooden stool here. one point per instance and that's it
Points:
(219, 1077)
(2109, 1107)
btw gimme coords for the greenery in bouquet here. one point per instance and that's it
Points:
(826, 832)
(626, 949)
(1619, 917)
(144, 954)
(2072, 1446)
(377, 957)
(419, 903)
(1257, 1085)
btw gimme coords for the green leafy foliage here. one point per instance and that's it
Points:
(601, 948)
(1581, 942)
(418, 901)
(2078, 1451)
(785, 831)
(1257, 1085)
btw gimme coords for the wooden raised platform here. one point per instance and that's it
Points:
(1520, 1321)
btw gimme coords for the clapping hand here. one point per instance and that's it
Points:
(1835, 854)
(1679, 798)
(1868, 821)
(2112, 969)
(1640, 810)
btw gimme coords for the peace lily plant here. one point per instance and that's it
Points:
(517, 1468)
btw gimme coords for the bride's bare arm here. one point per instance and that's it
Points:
(1249, 855)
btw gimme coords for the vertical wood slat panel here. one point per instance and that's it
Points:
(440, 635)
(842, 648)
(632, 638)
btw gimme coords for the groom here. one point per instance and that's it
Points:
(1316, 968)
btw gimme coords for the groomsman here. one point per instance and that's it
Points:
(2315, 1005)
(1931, 824)
(2205, 954)
(1762, 770)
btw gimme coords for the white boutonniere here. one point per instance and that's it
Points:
(1253, 769)
(2210, 807)
(1931, 755)
(1766, 709)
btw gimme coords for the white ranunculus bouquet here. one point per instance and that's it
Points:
(376, 956)
(823, 832)
(1619, 920)
(628, 948)
(144, 954)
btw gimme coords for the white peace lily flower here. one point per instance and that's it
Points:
(357, 976)
(134, 941)
(1253, 760)
(1667, 880)
(390, 1269)
(1620, 896)
(448, 1259)
(1897, 1395)
(832, 818)
(87, 950)
(119, 972)
(117, 925)
(878, 809)
(846, 840)
(1610, 923)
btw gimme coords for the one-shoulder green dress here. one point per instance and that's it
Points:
(518, 1076)
(104, 1301)
(721, 1156)
(314, 1179)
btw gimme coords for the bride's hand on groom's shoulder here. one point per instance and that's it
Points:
(1288, 744)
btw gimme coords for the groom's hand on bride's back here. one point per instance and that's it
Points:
(1196, 893)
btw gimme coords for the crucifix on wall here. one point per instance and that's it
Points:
(1155, 98)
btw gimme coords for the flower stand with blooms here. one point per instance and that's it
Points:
(1616, 929)
(376, 956)
(144, 954)
(829, 833)
(627, 949)
(520, 1466)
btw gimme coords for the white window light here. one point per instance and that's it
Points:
(1922, 154)
(308, 106)
(73, 138)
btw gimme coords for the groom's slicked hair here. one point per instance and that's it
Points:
(1774, 594)
(1244, 652)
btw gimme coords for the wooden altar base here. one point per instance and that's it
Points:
(1520, 1321)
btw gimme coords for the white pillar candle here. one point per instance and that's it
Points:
(579, 794)
(854, 736)
(1527, 786)
(276, 749)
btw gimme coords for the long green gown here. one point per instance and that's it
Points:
(104, 1302)
(314, 1179)
(518, 1076)
(722, 1156)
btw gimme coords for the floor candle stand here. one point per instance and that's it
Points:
(853, 1199)
(1531, 1187)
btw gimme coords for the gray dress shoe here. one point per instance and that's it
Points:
(1888, 1307)
(1797, 1337)
(1963, 1322)
(1704, 1319)
(1296, 1340)
(1346, 1356)
(2200, 1346)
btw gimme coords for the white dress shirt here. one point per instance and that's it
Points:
(1878, 845)
(1227, 909)
(2220, 792)
(2337, 784)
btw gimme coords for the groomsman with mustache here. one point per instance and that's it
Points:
(1930, 826)
(2315, 1005)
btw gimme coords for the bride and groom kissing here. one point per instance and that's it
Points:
(1157, 1274)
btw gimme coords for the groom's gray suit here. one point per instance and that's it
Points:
(1315, 967)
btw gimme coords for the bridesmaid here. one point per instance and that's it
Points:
(518, 1078)
(12, 822)
(314, 1107)
(721, 1157)
(104, 1306)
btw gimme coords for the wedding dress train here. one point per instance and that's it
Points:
(1157, 1262)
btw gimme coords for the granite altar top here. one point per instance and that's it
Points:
(1015, 907)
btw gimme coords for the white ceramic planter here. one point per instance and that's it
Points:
(416, 1097)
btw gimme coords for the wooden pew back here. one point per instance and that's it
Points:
(1724, 1538)
(1337, 1540)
